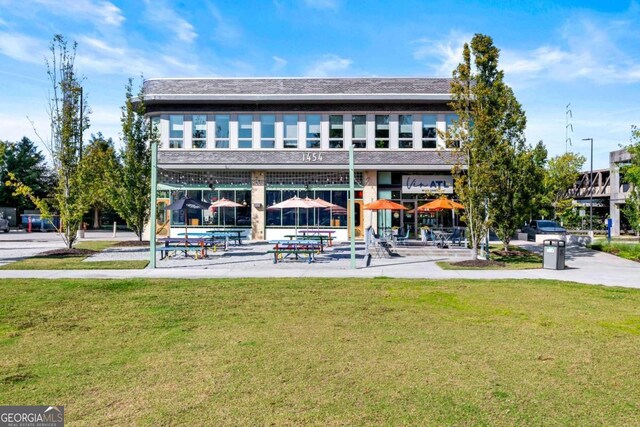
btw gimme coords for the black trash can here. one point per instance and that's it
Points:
(553, 251)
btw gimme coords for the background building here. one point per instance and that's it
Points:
(259, 141)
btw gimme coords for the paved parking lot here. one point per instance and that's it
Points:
(584, 265)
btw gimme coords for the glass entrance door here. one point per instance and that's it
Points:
(408, 217)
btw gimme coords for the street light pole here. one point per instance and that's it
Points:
(590, 189)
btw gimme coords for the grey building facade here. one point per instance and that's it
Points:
(258, 141)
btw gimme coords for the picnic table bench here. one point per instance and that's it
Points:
(196, 243)
(284, 248)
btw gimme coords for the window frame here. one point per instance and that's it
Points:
(405, 139)
(313, 143)
(222, 142)
(381, 142)
(362, 141)
(172, 139)
(244, 140)
(338, 141)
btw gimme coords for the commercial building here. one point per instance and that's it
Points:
(259, 141)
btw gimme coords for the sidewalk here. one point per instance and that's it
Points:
(583, 266)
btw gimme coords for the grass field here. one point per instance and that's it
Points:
(68, 262)
(322, 352)
(627, 250)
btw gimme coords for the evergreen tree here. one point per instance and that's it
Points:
(29, 165)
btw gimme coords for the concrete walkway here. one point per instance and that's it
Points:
(584, 266)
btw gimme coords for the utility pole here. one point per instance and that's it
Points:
(81, 123)
(590, 189)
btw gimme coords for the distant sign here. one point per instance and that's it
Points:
(418, 184)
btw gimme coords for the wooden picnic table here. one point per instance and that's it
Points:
(186, 244)
(319, 232)
(234, 234)
(284, 248)
(317, 238)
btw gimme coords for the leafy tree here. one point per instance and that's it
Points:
(131, 197)
(631, 174)
(29, 165)
(561, 174)
(489, 133)
(98, 163)
(70, 198)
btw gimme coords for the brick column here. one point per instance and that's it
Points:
(258, 196)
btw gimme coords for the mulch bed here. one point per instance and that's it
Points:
(478, 263)
(131, 243)
(68, 252)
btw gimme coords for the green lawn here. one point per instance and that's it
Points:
(322, 352)
(628, 250)
(524, 260)
(67, 262)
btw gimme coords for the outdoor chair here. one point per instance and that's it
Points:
(402, 240)
(426, 236)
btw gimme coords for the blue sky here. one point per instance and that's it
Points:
(553, 53)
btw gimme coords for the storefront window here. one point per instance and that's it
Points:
(311, 217)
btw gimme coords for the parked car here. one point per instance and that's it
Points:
(4, 225)
(542, 226)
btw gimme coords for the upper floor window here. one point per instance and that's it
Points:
(222, 131)
(290, 122)
(313, 131)
(199, 131)
(405, 131)
(429, 134)
(267, 131)
(176, 131)
(451, 119)
(245, 131)
(382, 131)
(336, 131)
(359, 126)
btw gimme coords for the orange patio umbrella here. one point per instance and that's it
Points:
(440, 204)
(385, 205)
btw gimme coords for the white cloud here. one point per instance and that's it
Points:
(22, 47)
(278, 63)
(443, 55)
(224, 29)
(322, 4)
(161, 13)
(328, 65)
(101, 12)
